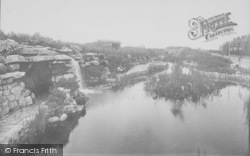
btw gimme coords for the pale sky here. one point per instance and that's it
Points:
(152, 23)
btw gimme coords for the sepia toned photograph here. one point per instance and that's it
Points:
(124, 78)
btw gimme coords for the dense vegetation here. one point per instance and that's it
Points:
(179, 87)
(239, 46)
(120, 61)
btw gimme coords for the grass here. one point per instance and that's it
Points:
(205, 61)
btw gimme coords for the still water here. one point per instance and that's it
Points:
(131, 122)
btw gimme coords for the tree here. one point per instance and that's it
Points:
(225, 48)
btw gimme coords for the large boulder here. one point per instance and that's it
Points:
(15, 59)
(53, 119)
(29, 51)
(14, 75)
(63, 117)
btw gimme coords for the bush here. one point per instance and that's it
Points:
(155, 68)
(80, 98)
(9, 47)
(70, 83)
(93, 75)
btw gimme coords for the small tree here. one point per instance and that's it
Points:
(225, 48)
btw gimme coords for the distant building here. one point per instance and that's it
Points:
(104, 44)
(110, 43)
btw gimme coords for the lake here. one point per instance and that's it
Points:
(130, 121)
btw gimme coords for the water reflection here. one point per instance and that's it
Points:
(247, 110)
(130, 122)
(177, 110)
(210, 122)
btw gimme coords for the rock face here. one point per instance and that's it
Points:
(13, 95)
(27, 71)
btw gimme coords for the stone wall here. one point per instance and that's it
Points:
(13, 94)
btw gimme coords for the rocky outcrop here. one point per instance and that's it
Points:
(17, 125)
(74, 52)
(24, 72)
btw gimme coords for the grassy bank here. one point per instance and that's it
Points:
(133, 78)
(204, 61)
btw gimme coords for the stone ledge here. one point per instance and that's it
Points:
(62, 57)
(15, 59)
(42, 58)
(15, 75)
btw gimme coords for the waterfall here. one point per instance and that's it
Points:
(81, 82)
(78, 73)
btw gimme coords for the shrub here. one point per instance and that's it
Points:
(9, 47)
(80, 98)
(70, 83)
(93, 75)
